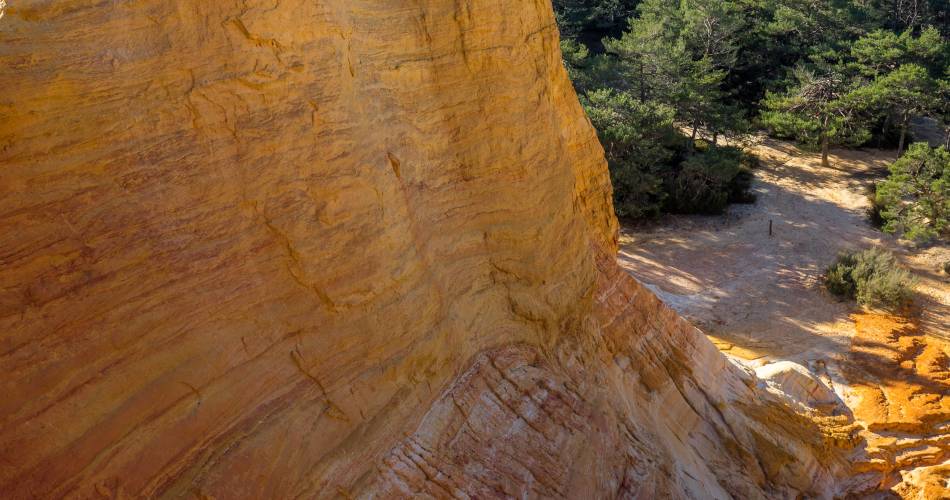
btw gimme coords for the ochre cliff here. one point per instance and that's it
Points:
(281, 249)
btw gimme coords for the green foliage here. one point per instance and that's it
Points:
(680, 54)
(668, 67)
(942, 110)
(575, 17)
(882, 51)
(874, 208)
(817, 110)
(900, 95)
(803, 24)
(915, 198)
(651, 166)
(838, 277)
(826, 73)
(899, 15)
(588, 71)
(634, 135)
(707, 182)
(872, 277)
(741, 185)
(576, 59)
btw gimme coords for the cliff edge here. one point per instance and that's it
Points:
(281, 248)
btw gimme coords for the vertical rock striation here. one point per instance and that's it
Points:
(284, 248)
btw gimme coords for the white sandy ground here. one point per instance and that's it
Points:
(760, 297)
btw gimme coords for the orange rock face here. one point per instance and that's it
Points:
(901, 394)
(925, 483)
(349, 247)
(907, 377)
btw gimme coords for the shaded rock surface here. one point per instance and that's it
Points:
(346, 248)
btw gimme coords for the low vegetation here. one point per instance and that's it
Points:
(871, 277)
(654, 168)
(874, 208)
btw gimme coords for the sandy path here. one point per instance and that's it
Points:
(763, 294)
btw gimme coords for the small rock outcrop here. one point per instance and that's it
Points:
(799, 385)
(278, 249)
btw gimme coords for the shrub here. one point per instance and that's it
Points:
(709, 180)
(750, 161)
(872, 277)
(634, 135)
(638, 193)
(741, 184)
(946, 267)
(838, 278)
(875, 208)
(653, 167)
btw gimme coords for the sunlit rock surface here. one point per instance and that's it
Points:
(274, 249)
(900, 393)
(925, 483)
(799, 385)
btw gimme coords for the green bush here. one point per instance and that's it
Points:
(838, 276)
(750, 161)
(707, 181)
(875, 208)
(741, 184)
(872, 277)
(946, 268)
(653, 167)
(635, 136)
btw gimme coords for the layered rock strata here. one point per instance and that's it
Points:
(273, 249)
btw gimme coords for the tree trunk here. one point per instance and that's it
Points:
(643, 89)
(692, 137)
(900, 145)
(824, 151)
(886, 127)
(715, 138)
(947, 141)
(825, 142)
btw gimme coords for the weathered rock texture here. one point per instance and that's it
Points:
(925, 483)
(348, 247)
(900, 392)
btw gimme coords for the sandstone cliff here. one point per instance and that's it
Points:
(275, 249)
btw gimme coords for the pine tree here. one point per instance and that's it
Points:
(915, 198)
(815, 111)
(679, 54)
(902, 94)
(577, 16)
(633, 134)
(881, 51)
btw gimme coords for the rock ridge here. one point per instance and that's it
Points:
(345, 248)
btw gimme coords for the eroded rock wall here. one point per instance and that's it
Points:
(348, 247)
